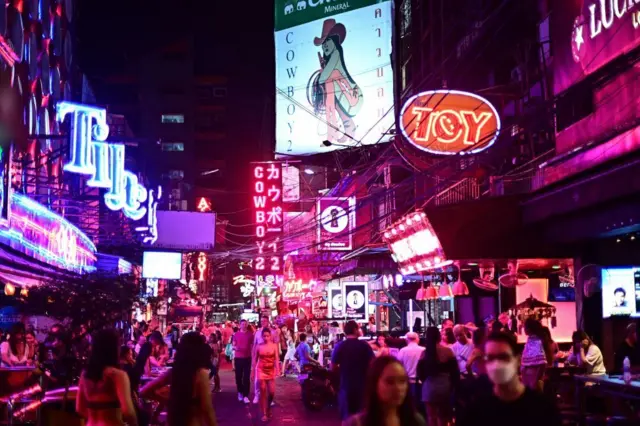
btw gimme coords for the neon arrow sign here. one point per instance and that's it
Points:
(102, 161)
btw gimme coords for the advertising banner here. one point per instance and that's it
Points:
(336, 223)
(356, 300)
(588, 34)
(336, 303)
(269, 224)
(334, 80)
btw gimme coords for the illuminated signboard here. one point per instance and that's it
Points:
(588, 34)
(414, 245)
(334, 79)
(296, 290)
(104, 164)
(337, 220)
(246, 283)
(204, 205)
(449, 122)
(269, 215)
(38, 232)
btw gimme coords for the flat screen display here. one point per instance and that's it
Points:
(162, 265)
(621, 292)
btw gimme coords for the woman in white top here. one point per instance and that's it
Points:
(586, 354)
(14, 352)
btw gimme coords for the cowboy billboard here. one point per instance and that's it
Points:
(334, 80)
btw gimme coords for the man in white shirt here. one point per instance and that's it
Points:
(462, 348)
(409, 356)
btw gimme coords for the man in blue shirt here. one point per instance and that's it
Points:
(303, 352)
(352, 358)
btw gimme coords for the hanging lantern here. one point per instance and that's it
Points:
(431, 293)
(445, 291)
(9, 289)
(460, 288)
(421, 295)
(24, 292)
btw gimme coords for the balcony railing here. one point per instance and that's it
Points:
(464, 190)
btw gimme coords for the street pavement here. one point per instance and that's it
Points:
(288, 410)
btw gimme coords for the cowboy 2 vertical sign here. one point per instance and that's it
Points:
(334, 79)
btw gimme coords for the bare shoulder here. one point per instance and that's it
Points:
(116, 374)
(445, 352)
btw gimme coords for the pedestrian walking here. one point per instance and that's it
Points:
(267, 368)
(352, 358)
(387, 401)
(258, 340)
(242, 348)
(409, 356)
(510, 402)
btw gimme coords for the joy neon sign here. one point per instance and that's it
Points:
(102, 161)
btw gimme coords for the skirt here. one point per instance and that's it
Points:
(437, 389)
(290, 355)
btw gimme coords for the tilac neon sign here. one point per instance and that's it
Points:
(102, 161)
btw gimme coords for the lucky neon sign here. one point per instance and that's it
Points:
(102, 161)
(449, 122)
(268, 214)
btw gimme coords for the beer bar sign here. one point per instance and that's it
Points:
(268, 218)
(336, 223)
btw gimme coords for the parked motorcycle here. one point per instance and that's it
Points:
(319, 387)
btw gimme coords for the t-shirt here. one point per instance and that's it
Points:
(462, 353)
(353, 356)
(626, 350)
(303, 352)
(531, 409)
(243, 342)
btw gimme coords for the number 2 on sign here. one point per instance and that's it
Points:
(259, 263)
(275, 264)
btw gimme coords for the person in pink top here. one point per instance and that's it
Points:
(242, 343)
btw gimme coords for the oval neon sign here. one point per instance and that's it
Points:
(449, 122)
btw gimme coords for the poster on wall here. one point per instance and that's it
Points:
(336, 303)
(334, 80)
(336, 223)
(588, 34)
(356, 300)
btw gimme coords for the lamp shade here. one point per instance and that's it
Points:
(445, 291)
(431, 293)
(421, 294)
(460, 289)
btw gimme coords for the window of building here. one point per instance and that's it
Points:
(172, 146)
(204, 93)
(173, 118)
(574, 105)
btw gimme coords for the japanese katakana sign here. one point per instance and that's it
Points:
(268, 215)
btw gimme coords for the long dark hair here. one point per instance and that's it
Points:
(104, 353)
(318, 96)
(17, 328)
(191, 356)
(374, 415)
(430, 355)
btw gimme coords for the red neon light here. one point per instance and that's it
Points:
(268, 214)
(204, 205)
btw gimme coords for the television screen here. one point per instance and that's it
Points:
(162, 265)
(560, 291)
(621, 292)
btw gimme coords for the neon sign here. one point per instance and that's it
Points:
(103, 162)
(414, 245)
(247, 285)
(204, 205)
(202, 265)
(297, 290)
(336, 224)
(268, 214)
(449, 122)
(38, 232)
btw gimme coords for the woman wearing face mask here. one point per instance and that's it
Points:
(387, 400)
(510, 402)
(586, 354)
